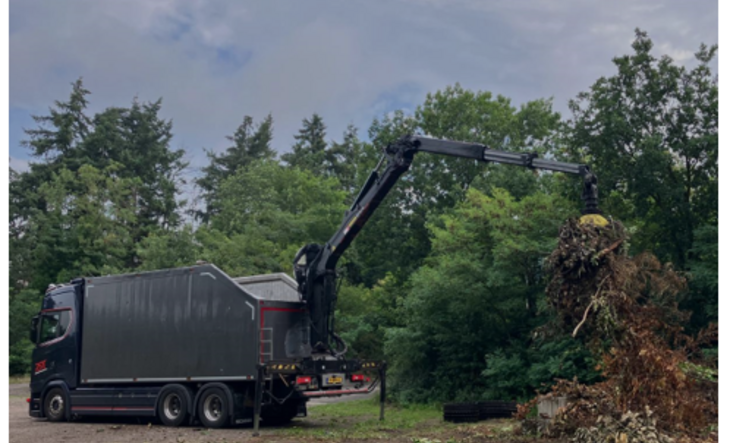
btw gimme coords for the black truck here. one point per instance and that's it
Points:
(191, 344)
(178, 344)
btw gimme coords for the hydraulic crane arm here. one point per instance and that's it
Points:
(314, 265)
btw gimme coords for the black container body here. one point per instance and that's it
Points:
(185, 324)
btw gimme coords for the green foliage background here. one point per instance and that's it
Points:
(446, 281)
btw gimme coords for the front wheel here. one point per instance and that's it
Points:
(213, 408)
(54, 405)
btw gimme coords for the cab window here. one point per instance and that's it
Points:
(54, 325)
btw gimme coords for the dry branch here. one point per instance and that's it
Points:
(626, 309)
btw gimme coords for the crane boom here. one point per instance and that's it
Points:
(314, 265)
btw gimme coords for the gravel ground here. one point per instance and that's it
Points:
(25, 429)
(19, 390)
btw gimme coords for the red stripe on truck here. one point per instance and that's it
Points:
(110, 408)
(91, 408)
(340, 392)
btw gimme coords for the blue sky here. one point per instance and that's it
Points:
(213, 62)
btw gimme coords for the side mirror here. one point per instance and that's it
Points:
(34, 329)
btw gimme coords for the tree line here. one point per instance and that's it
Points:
(446, 281)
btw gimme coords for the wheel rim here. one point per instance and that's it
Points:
(213, 407)
(55, 406)
(172, 406)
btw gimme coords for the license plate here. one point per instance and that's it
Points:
(334, 380)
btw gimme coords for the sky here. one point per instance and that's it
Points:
(213, 62)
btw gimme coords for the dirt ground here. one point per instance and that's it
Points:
(318, 427)
(25, 429)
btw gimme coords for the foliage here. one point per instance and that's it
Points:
(85, 227)
(703, 273)
(434, 184)
(115, 169)
(139, 140)
(309, 152)
(474, 296)
(266, 213)
(238, 254)
(168, 249)
(365, 314)
(301, 206)
(517, 371)
(250, 143)
(651, 133)
(70, 122)
(22, 307)
(346, 162)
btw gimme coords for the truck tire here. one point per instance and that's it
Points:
(54, 405)
(461, 412)
(213, 408)
(172, 407)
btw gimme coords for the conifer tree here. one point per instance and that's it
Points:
(310, 150)
(250, 142)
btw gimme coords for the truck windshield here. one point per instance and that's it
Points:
(54, 325)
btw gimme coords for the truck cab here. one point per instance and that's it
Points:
(55, 333)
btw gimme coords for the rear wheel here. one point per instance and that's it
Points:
(173, 407)
(54, 405)
(213, 408)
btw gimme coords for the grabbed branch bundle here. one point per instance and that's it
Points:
(625, 309)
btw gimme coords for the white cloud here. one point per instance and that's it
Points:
(677, 54)
(349, 61)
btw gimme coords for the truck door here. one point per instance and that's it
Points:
(54, 357)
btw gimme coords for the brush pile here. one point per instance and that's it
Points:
(625, 310)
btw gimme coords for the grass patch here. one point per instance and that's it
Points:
(359, 419)
(19, 379)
